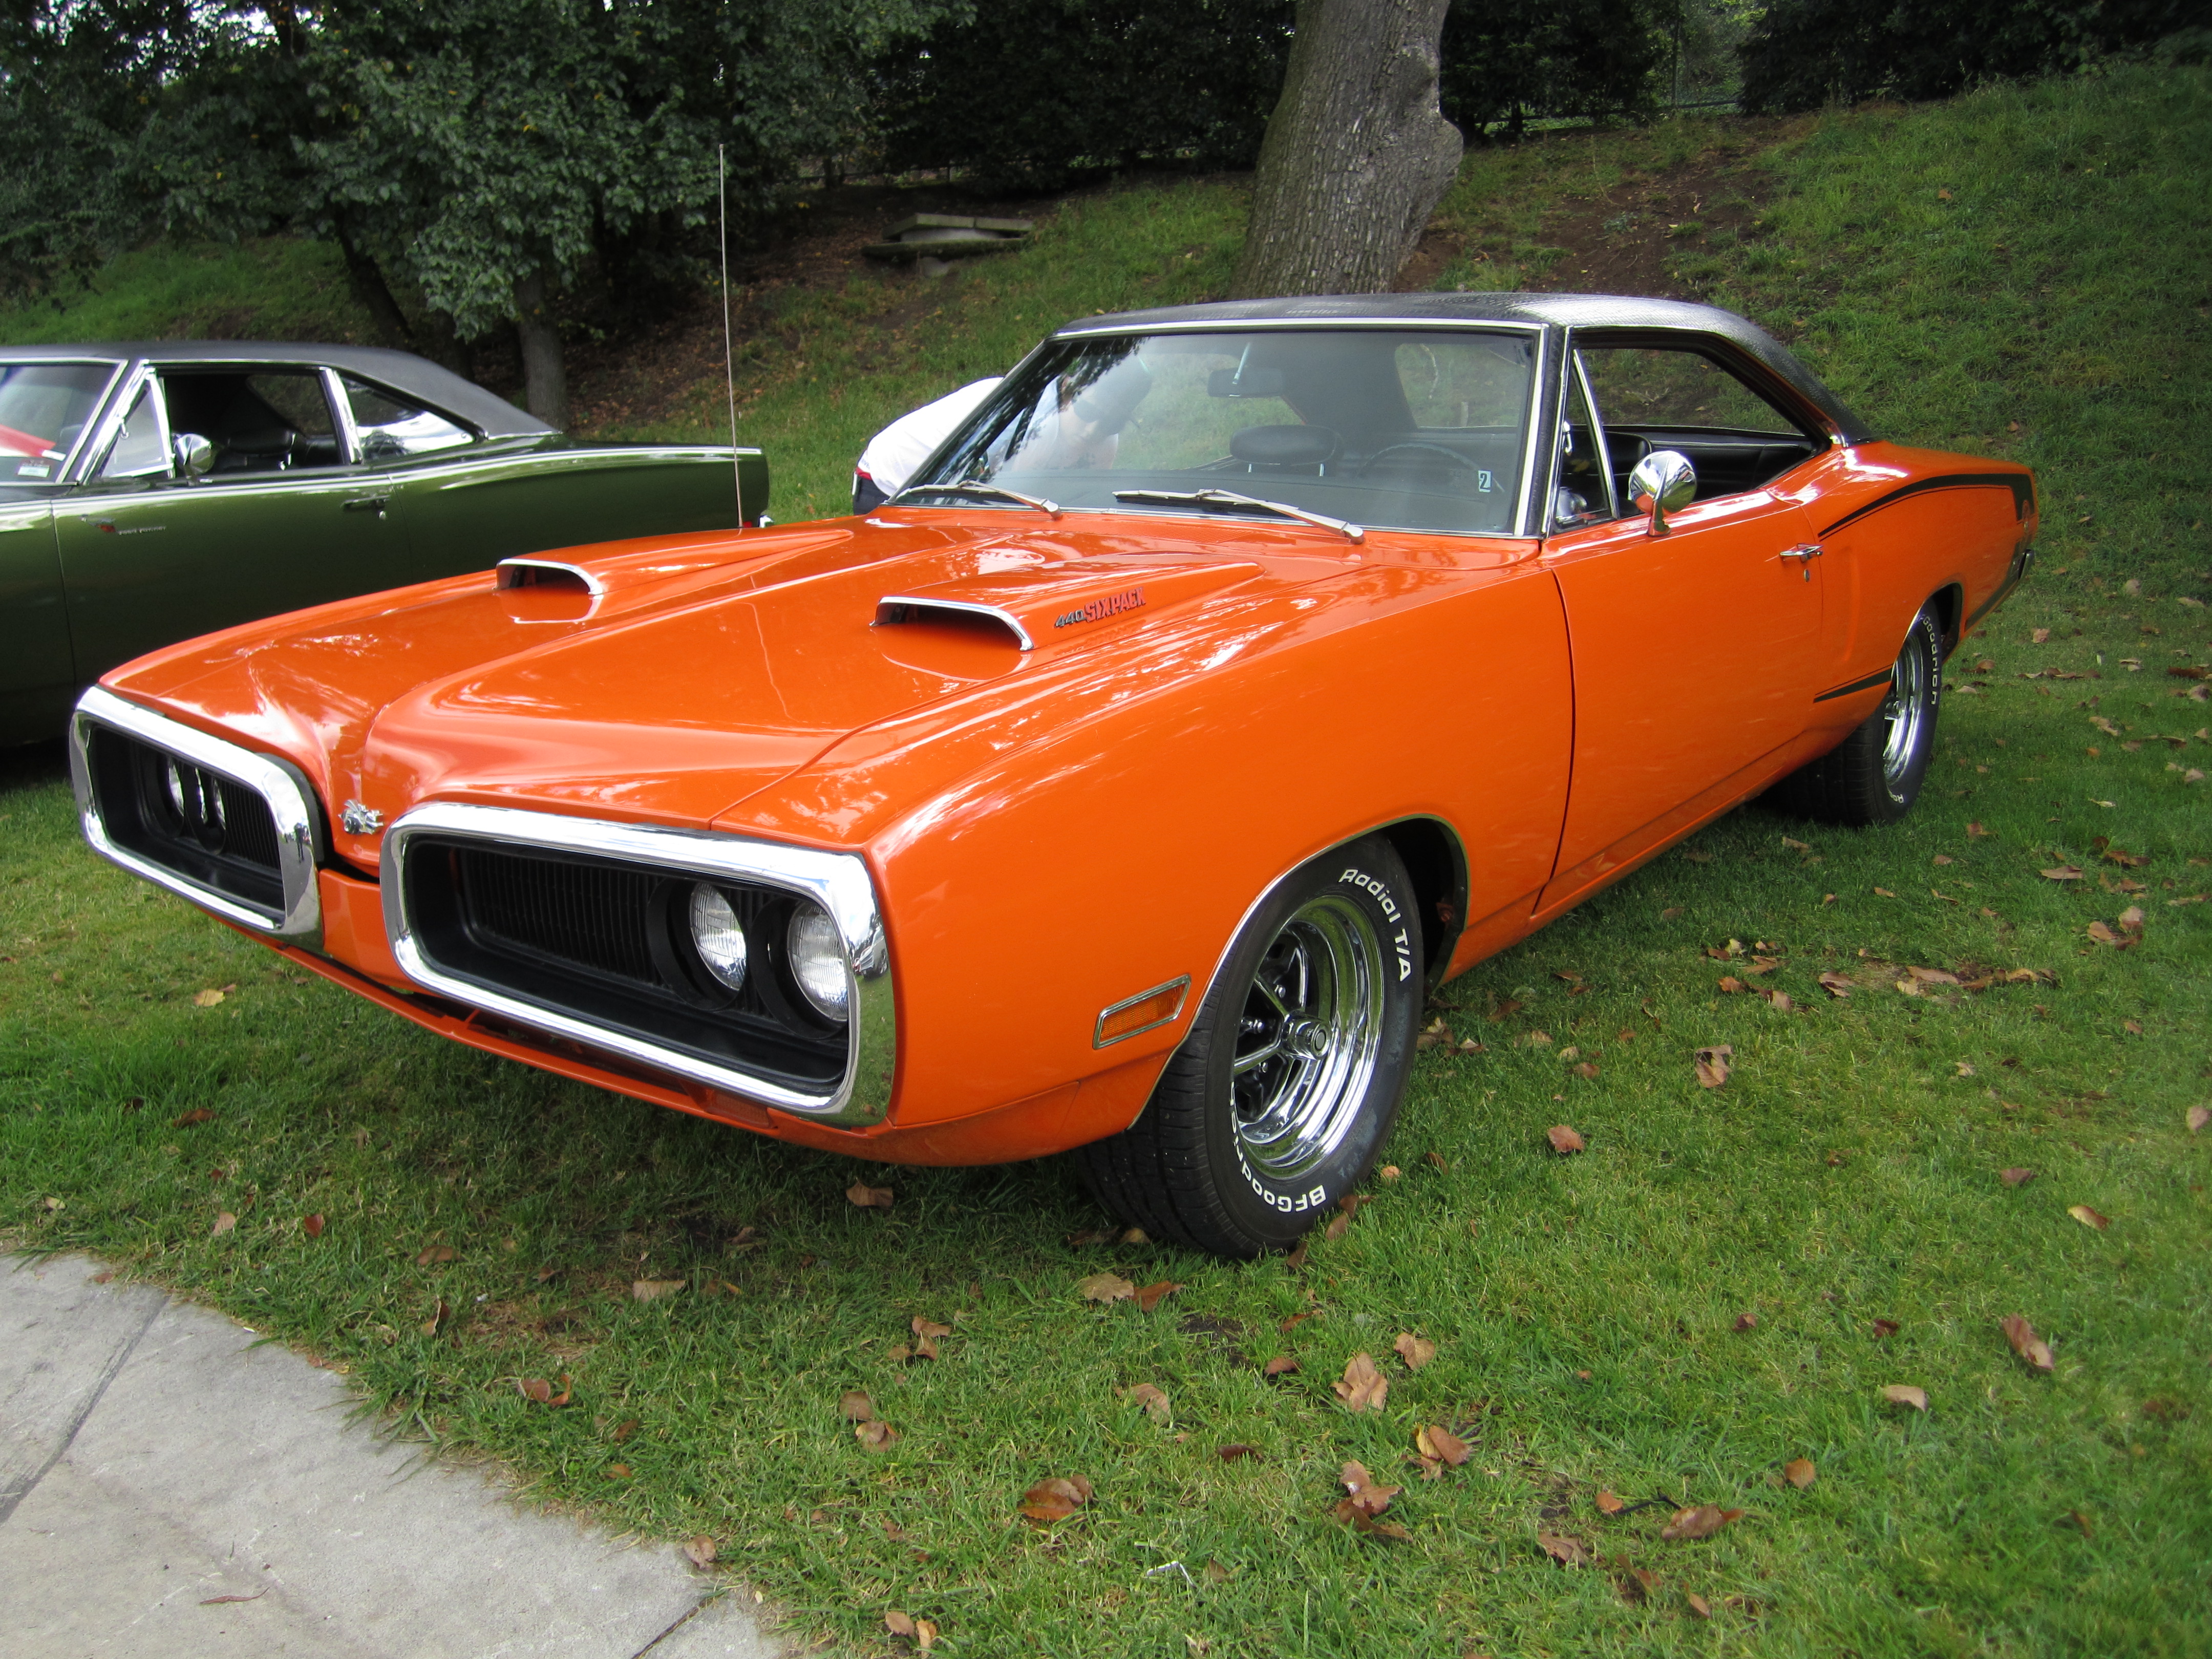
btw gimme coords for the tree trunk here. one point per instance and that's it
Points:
(545, 376)
(375, 294)
(1357, 154)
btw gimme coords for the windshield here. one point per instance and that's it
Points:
(1397, 428)
(43, 409)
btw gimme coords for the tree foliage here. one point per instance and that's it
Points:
(1509, 60)
(1804, 53)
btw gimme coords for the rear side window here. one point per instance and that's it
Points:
(389, 426)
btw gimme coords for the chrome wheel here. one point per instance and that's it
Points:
(1308, 1037)
(1906, 711)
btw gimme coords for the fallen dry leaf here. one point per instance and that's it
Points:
(535, 1387)
(1885, 1329)
(206, 998)
(1698, 1605)
(1568, 1552)
(197, 1115)
(1415, 1350)
(1441, 1443)
(1236, 1452)
(1105, 1287)
(1712, 1065)
(1730, 985)
(654, 1289)
(1975, 831)
(312, 1225)
(1885, 892)
(431, 1257)
(1365, 1498)
(854, 1405)
(701, 1551)
(1150, 1398)
(1701, 1522)
(1586, 1070)
(1609, 1503)
(2088, 1217)
(1055, 1499)
(2064, 872)
(898, 1623)
(1563, 1139)
(1390, 1172)
(1281, 1365)
(875, 1435)
(438, 1312)
(1636, 1583)
(1835, 984)
(2199, 1117)
(1151, 1295)
(223, 1224)
(2015, 1177)
(629, 1425)
(2040, 636)
(863, 1196)
(1904, 1394)
(1434, 1033)
(2026, 1343)
(218, 1600)
(1799, 1472)
(1362, 1387)
(1746, 1321)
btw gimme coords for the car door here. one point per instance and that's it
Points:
(1695, 650)
(284, 518)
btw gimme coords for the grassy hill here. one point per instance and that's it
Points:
(1722, 1284)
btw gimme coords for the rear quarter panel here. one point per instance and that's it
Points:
(467, 512)
(1110, 836)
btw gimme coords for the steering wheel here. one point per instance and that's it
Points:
(1415, 447)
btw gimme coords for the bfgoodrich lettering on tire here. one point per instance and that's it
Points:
(1278, 1102)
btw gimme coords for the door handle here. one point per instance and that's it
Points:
(368, 504)
(1804, 553)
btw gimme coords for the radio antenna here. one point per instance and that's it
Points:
(729, 360)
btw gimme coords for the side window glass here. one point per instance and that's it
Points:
(140, 449)
(1641, 387)
(1582, 490)
(389, 426)
(303, 411)
(258, 421)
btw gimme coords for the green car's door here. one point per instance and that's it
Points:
(281, 518)
(36, 683)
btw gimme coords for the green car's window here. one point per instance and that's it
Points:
(1413, 428)
(139, 450)
(43, 409)
(260, 421)
(388, 426)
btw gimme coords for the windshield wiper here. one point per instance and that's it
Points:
(1350, 532)
(977, 486)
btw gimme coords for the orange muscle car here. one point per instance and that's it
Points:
(1235, 674)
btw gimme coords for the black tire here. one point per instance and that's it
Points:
(1279, 1100)
(1873, 776)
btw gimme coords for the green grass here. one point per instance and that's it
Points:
(275, 288)
(1585, 1308)
(835, 367)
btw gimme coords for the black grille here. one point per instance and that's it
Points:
(610, 943)
(210, 830)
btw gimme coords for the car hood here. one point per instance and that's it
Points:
(671, 680)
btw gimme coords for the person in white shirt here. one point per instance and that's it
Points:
(893, 454)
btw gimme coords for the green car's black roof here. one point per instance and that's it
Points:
(399, 371)
(1607, 311)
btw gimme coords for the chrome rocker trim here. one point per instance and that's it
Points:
(838, 882)
(291, 804)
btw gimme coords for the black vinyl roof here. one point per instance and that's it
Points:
(399, 371)
(1573, 311)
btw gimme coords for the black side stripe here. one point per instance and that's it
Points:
(2021, 485)
(1866, 684)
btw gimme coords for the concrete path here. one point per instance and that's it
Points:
(168, 1488)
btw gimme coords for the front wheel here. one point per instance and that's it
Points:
(1279, 1100)
(1873, 776)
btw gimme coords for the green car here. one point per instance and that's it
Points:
(152, 492)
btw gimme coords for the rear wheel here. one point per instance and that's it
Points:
(1279, 1100)
(1873, 776)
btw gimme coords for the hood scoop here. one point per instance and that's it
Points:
(1038, 608)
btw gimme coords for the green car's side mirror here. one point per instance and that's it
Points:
(1663, 482)
(193, 454)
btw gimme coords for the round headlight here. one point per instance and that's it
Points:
(818, 962)
(717, 937)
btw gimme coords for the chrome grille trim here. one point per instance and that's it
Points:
(838, 882)
(291, 807)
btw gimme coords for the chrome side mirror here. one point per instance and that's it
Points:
(1663, 482)
(193, 454)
